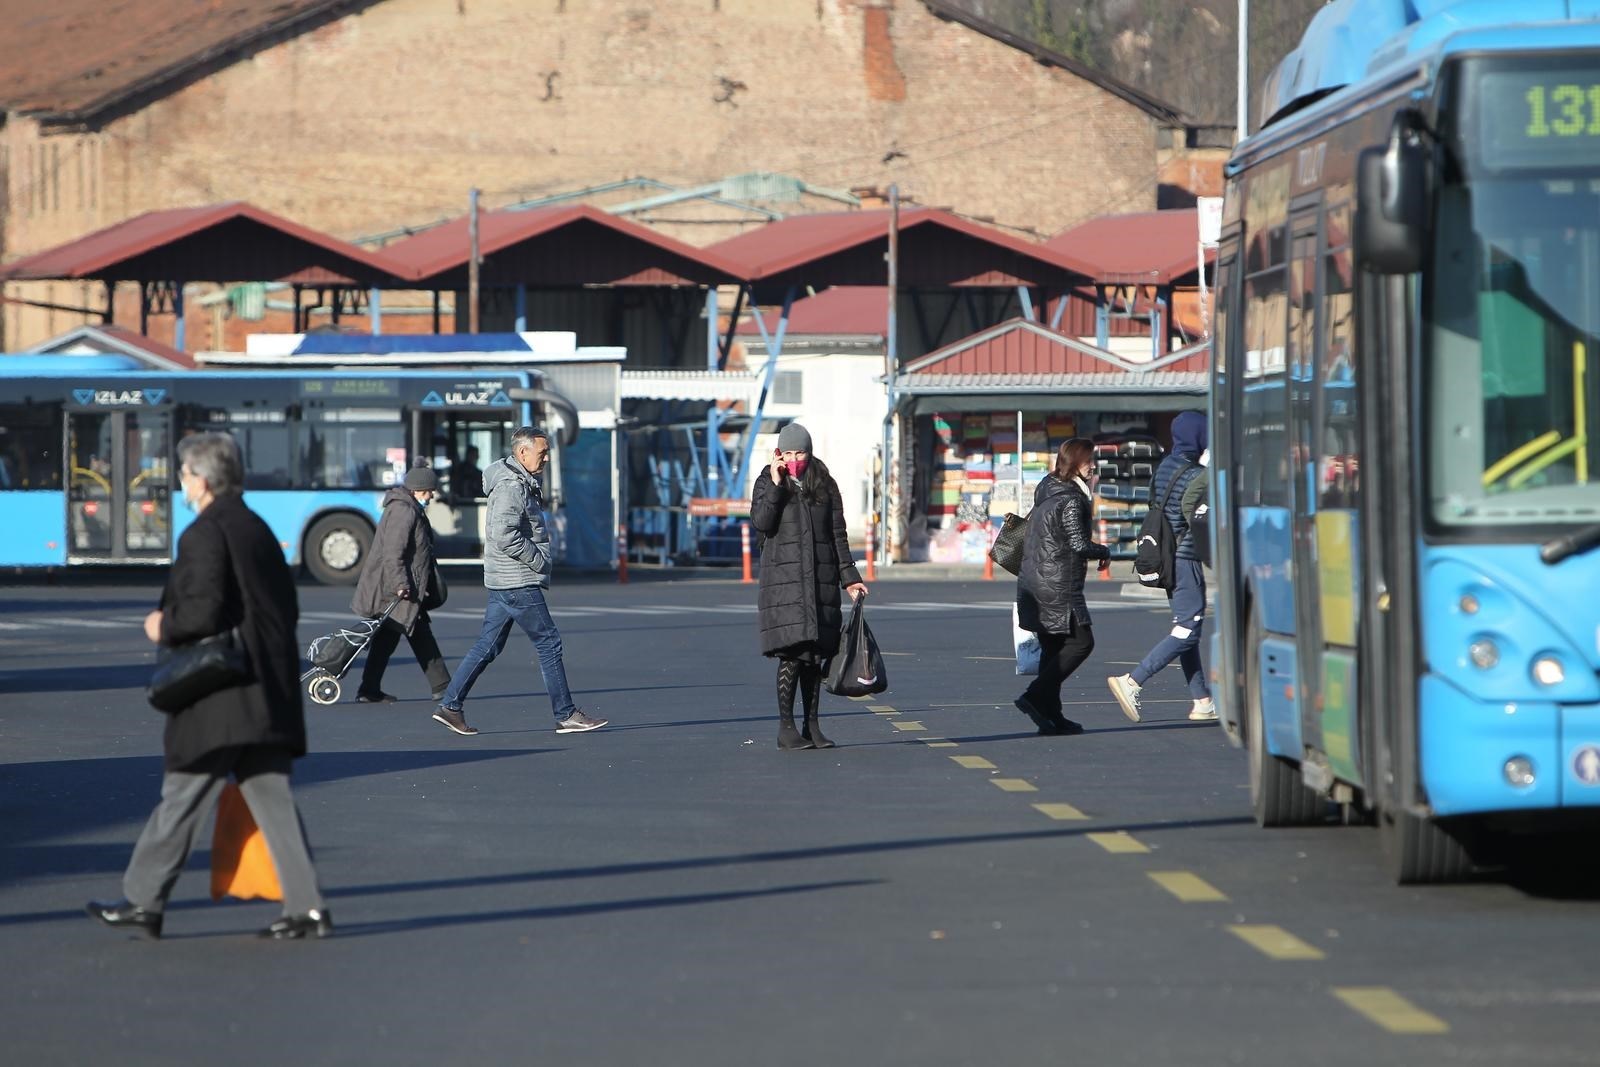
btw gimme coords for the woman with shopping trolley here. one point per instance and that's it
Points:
(401, 564)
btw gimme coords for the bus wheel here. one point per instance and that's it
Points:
(1277, 794)
(336, 547)
(1420, 850)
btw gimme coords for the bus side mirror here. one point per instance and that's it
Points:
(1392, 203)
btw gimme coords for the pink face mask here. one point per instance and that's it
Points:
(797, 467)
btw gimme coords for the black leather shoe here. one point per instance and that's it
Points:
(375, 698)
(314, 923)
(128, 916)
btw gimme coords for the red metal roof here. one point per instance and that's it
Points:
(938, 249)
(228, 242)
(556, 247)
(1020, 346)
(1149, 248)
(844, 309)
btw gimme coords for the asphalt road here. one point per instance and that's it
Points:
(943, 888)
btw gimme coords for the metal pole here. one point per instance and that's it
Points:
(890, 366)
(1244, 71)
(472, 264)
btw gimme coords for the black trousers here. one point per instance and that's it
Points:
(1059, 656)
(423, 645)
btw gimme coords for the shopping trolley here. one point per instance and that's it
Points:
(332, 654)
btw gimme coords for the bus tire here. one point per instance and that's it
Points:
(1277, 795)
(336, 547)
(1423, 851)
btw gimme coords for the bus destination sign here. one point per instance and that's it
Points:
(1539, 118)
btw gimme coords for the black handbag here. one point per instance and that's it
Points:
(437, 592)
(857, 668)
(195, 671)
(1007, 547)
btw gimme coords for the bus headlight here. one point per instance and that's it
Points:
(1547, 670)
(1484, 654)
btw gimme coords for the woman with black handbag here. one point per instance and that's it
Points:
(1050, 600)
(401, 563)
(805, 560)
(229, 578)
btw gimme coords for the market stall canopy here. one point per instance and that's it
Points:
(228, 242)
(1147, 248)
(938, 250)
(576, 246)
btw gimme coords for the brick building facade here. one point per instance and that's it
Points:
(360, 117)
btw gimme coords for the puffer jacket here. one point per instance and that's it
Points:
(401, 557)
(1188, 441)
(1055, 557)
(805, 562)
(516, 550)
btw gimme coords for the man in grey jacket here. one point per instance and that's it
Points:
(516, 571)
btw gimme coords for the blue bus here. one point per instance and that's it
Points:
(1405, 480)
(87, 455)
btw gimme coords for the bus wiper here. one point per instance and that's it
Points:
(1558, 549)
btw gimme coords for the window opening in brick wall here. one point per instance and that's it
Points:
(788, 387)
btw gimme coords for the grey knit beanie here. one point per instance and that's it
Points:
(794, 438)
(421, 477)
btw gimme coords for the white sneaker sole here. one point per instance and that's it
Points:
(448, 725)
(581, 729)
(1202, 716)
(1123, 702)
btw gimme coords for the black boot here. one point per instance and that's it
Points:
(811, 692)
(788, 678)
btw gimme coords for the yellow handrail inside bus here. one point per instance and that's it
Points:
(96, 475)
(1517, 456)
(1580, 428)
(1566, 448)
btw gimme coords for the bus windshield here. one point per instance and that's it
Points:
(1512, 350)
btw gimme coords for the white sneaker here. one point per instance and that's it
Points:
(1203, 711)
(1126, 690)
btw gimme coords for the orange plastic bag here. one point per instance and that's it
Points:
(241, 864)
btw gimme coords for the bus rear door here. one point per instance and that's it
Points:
(119, 478)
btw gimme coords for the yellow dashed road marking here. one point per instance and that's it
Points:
(1063, 812)
(881, 709)
(1015, 785)
(1390, 1010)
(862, 698)
(1119, 841)
(974, 763)
(1187, 887)
(1276, 942)
(938, 742)
(909, 727)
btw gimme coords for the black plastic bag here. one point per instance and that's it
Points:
(857, 668)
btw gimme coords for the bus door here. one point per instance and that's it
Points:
(1302, 360)
(119, 484)
(460, 444)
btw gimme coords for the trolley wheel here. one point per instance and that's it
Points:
(336, 547)
(325, 690)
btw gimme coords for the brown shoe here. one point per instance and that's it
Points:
(453, 720)
(579, 723)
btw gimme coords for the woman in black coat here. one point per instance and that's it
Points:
(229, 575)
(805, 560)
(401, 564)
(1050, 599)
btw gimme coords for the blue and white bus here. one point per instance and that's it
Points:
(1406, 429)
(87, 455)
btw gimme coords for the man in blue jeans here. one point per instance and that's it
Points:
(516, 571)
(1182, 643)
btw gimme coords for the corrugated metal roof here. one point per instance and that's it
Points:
(1147, 248)
(228, 242)
(109, 338)
(571, 245)
(70, 59)
(1021, 347)
(938, 249)
(844, 310)
(1117, 382)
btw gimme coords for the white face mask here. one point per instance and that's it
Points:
(1205, 458)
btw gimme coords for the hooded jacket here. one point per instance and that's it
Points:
(401, 557)
(516, 549)
(1189, 439)
(1055, 557)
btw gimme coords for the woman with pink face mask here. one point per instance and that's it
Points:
(805, 562)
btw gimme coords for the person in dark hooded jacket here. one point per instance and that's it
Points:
(401, 565)
(805, 559)
(1188, 597)
(1050, 600)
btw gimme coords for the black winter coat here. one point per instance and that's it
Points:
(231, 572)
(805, 562)
(401, 557)
(1055, 557)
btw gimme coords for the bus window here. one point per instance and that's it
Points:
(1339, 464)
(460, 446)
(30, 446)
(89, 494)
(1264, 474)
(343, 449)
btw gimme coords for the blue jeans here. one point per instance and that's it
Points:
(526, 608)
(1182, 643)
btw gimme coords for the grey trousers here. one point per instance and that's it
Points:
(188, 796)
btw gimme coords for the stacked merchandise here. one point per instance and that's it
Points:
(1124, 467)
